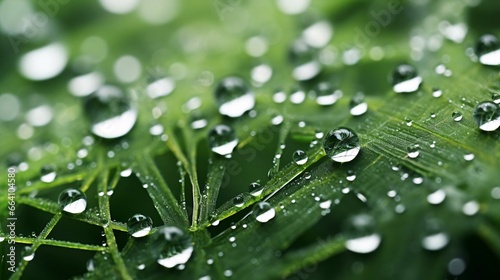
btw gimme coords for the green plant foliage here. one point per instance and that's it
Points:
(421, 200)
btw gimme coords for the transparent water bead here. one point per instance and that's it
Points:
(110, 111)
(160, 87)
(304, 60)
(234, 97)
(351, 175)
(436, 197)
(263, 212)
(457, 116)
(496, 98)
(488, 50)
(28, 253)
(436, 92)
(239, 200)
(300, 157)
(139, 225)
(176, 247)
(358, 105)
(72, 201)
(85, 84)
(413, 151)
(255, 189)
(435, 241)
(341, 144)
(318, 35)
(326, 95)
(362, 236)
(487, 116)
(48, 173)
(44, 63)
(405, 79)
(222, 140)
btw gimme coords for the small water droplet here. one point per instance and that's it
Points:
(126, 172)
(341, 144)
(139, 225)
(239, 200)
(470, 208)
(318, 35)
(110, 112)
(435, 241)
(488, 50)
(177, 246)
(362, 236)
(300, 157)
(358, 105)
(405, 79)
(159, 87)
(72, 201)
(456, 266)
(304, 60)
(326, 95)
(261, 73)
(222, 140)
(28, 254)
(156, 129)
(298, 96)
(487, 116)
(234, 97)
(279, 97)
(277, 120)
(84, 85)
(496, 98)
(413, 151)
(457, 116)
(436, 92)
(436, 197)
(48, 173)
(351, 175)
(469, 157)
(255, 189)
(263, 212)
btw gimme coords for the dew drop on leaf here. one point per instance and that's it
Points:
(436, 92)
(435, 241)
(161, 86)
(358, 105)
(300, 157)
(413, 151)
(239, 200)
(351, 175)
(470, 208)
(48, 173)
(222, 140)
(255, 189)
(488, 50)
(436, 197)
(85, 84)
(405, 79)
(362, 238)
(28, 254)
(156, 129)
(176, 246)
(233, 97)
(139, 225)
(110, 112)
(487, 116)
(304, 59)
(341, 144)
(72, 201)
(326, 95)
(263, 212)
(457, 116)
(496, 98)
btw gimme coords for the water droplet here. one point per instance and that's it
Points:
(457, 116)
(139, 225)
(126, 172)
(488, 50)
(341, 144)
(84, 85)
(255, 189)
(234, 97)
(277, 120)
(177, 246)
(39, 116)
(298, 96)
(72, 201)
(454, 32)
(326, 95)
(28, 253)
(304, 60)
(325, 204)
(358, 105)
(160, 87)
(318, 35)
(156, 129)
(261, 73)
(362, 236)
(44, 63)
(435, 241)
(239, 200)
(495, 193)
(469, 157)
(127, 68)
(487, 116)
(293, 7)
(198, 122)
(436, 197)
(496, 98)
(413, 151)
(110, 112)
(222, 140)
(263, 212)
(436, 92)
(456, 266)
(470, 208)
(300, 157)
(48, 173)
(279, 97)
(351, 175)
(405, 79)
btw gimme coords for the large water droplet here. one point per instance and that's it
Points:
(358, 105)
(234, 97)
(405, 79)
(488, 50)
(139, 225)
(222, 140)
(341, 144)
(263, 212)
(487, 116)
(44, 63)
(304, 60)
(300, 157)
(110, 112)
(362, 236)
(48, 174)
(177, 247)
(72, 201)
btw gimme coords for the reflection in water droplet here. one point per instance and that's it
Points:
(234, 97)
(263, 212)
(341, 144)
(255, 189)
(177, 247)
(436, 197)
(488, 50)
(44, 63)
(139, 225)
(48, 173)
(110, 112)
(413, 151)
(222, 140)
(487, 116)
(72, 201)
(358, 105)
(300, 157)
(457, 116)
(239, 200)
(405, 79)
